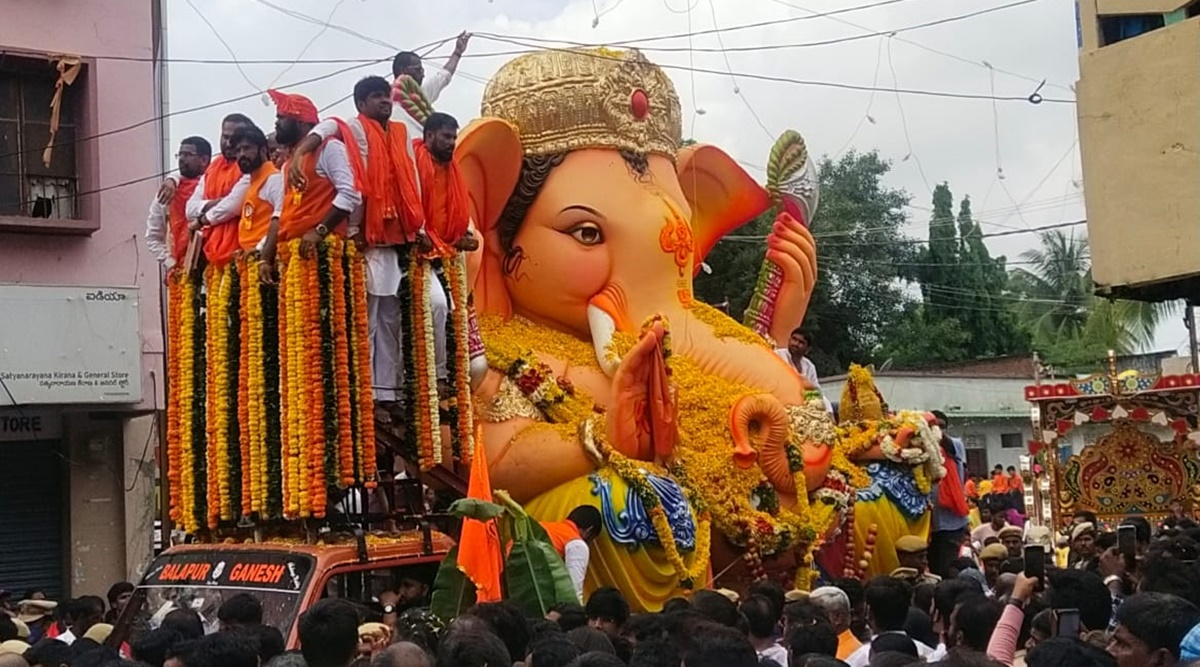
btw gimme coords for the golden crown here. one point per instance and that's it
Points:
(567, 99)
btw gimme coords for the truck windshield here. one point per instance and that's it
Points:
(203, 580)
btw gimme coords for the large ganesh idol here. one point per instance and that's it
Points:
(609, 384)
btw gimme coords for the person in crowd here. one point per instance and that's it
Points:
(463, 648)
(607, 610)
(37, 615)
(992, 557)
(328, 633)
(508, 622)
(836, 605)
(718, 646)
(571, 538)
(221, 650)
(1011, 537)
(1077, 589)
(994, 522)
(1150, 629)
(853, 588)
(167, 234)
(85, 612)
(591, 640)
(330, 193)
(999, 482)
(569, 615)
(949, 500)
(818, 637)
(971, 487)
(151, 648)
(888, 601)
(912, 554)
(762, 622)
(1016, 487)
(1083, 546)
(1067, 652)
(239, 611)
(217, 199)
(946, 597)
(972, 623)
(410, 591)
(408, 63)
(405, 654)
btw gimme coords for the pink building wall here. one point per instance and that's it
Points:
(115, 94)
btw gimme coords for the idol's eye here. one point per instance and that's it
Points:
(587, 233)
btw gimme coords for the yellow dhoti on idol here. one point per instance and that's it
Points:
(627, 554)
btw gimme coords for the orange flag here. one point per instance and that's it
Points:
(479, 544)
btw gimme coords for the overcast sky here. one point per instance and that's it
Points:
(1005, 53)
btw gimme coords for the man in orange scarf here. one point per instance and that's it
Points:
(217, 200)
(326, 181)
(391, 216)
(264, 197)
(167, 225)
(443, 192)
(949, 521)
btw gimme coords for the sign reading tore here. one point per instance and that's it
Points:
(64, 345)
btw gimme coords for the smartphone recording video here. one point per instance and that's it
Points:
(1066, 623)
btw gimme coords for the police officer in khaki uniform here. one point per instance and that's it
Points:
(912, 552)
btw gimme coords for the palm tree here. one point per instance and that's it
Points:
(1059, 309)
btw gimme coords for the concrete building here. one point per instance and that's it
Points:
(1138, 100)
(81, 378)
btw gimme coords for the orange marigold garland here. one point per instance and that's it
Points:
(232, 476)
(364, 410)
(294, 408)
(346, 473)
(176, 389)
(464, 427)
(312, 482)
(325, 460)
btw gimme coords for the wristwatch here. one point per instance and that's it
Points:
(322, 230)
(1019, 604)
(1110, 579)
(389, 609)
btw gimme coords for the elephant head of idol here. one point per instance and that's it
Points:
(594, 219)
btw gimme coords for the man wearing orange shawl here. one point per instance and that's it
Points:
(443, 193)
(167, 225)
(391, 216)
(217, 200)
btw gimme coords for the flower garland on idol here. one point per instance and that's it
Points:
(463, 426)
(176, 389)
(246, 426)
(358, 331)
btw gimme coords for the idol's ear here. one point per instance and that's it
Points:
(488, 155)
(722, 195)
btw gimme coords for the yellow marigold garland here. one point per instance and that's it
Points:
(249, 283)
(187, 396)
(254, 425)
(456, 274)
(294, 328)
(428, 433)
(213, 277)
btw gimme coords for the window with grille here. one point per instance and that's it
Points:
(1011, 441)
(28, 186)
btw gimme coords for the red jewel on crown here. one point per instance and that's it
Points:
(639, 104)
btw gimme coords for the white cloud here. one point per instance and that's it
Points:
(953, 139)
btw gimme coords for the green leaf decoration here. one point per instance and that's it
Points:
(788, 156)
(453, 593)
(473, 508)
(535, 578)
(412, 99)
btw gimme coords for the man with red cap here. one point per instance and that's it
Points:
(328, 186)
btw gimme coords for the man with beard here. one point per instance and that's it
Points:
(392, 216)
(326, 194)
(218, 196)
(264, 194)
(167, 225)
(443, 193)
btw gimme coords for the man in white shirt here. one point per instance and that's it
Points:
(167, 225)
(571, 537)
(796, 354)
(407, 62)
(888, 600)
(84, 613)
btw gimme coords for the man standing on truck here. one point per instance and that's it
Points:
(571, 538)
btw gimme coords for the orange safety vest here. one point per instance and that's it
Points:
(256, 211)
(220, 241)
(560, 533)
(177, 222)
(302, 210)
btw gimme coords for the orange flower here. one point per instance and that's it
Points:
(365, 410)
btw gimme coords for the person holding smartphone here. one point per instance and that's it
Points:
(1003, 645)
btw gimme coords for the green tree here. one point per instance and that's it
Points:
(1070, 326)
(939, 261)
(862, 258)
(919, 338)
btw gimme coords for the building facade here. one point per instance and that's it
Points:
(81, 372)
(1138, 99)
